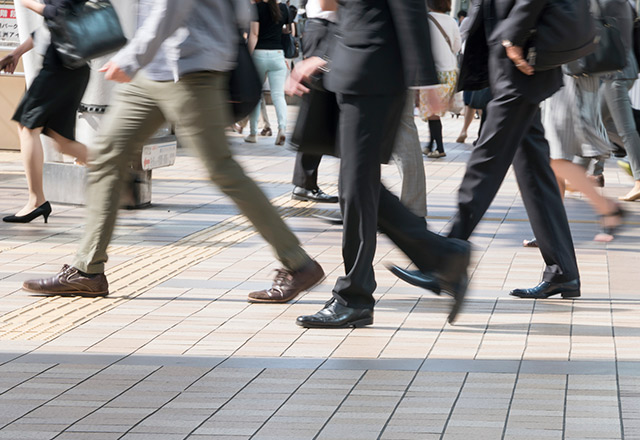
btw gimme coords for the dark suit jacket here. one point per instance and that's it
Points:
(485, 61)
(383, 48)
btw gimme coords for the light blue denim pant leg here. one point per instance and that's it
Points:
(618, 117)
(271, 64)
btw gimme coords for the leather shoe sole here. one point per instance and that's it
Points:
(331, 219)
(70, 293)
(355, 323)
(303, 198)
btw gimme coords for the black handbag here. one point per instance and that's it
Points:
(565, 32)
(85, 31)
(290, 45)
(316, 130)
(245, 87)
(609, 55)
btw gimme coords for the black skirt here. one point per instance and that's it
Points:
(52, 100)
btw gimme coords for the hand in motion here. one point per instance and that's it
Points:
(9, 63)
(301, 74)
(515, 54)
(113, 72)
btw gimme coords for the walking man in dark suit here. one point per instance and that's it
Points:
(383, 50)
(316, 41)
(513, 133)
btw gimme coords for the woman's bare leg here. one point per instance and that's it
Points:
(33, 159)
(69, 147)
(468, 117)
(577, 177)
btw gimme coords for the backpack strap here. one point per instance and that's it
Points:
(442, 31)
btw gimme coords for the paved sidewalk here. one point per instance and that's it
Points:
(176, 352)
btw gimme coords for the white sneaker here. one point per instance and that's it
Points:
(252, 139)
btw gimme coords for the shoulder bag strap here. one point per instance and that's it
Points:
(444, 34)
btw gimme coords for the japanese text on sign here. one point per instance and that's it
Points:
(8, 26)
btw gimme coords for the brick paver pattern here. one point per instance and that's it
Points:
(176, 352)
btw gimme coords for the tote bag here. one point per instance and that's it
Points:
(609, 55)
(86, 31)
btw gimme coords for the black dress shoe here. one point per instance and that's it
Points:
(417, 278)
(312, 195)
(333, 219)
(42, 210)
(451, 278)
(335, 315)
(569, 289)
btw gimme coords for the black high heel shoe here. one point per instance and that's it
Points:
(42, 210)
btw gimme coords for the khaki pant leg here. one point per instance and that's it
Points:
(131, 120)
(198, 105)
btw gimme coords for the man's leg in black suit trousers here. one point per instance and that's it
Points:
(305, 172)
(409, 232)
(366, 124)
(509, 119)
(541, 197)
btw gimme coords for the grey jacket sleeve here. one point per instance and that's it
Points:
(522, 18)
(163, 20)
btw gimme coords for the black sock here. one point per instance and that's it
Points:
(435, 127)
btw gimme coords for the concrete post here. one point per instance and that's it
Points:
(98, 94)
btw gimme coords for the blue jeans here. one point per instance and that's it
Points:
(271, 64)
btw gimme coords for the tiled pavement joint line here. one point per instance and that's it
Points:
(415, 375)
(283, 403)
(63, 392)
(395, 332)
(160, 407)
(615, 350)
(515, 383)
(26, 380)
(118, 329)
(453, 406)
(132, 282)
(486, 328)
(178, 323)
(108, 401)
(335, 411)
(225, 403)
(564, 406)
(573, 309)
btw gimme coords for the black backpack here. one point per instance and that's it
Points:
(565, 32)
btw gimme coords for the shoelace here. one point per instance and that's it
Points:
(282, 278)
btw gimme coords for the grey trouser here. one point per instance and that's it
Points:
(198, 106)
(408, 157)
(618, 118)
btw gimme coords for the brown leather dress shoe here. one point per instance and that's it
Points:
(69, 282)
(287, 285)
